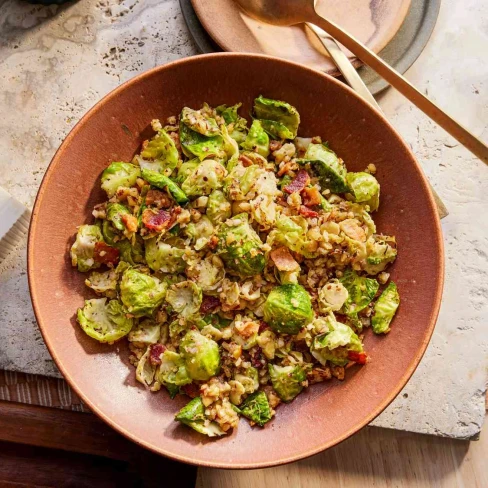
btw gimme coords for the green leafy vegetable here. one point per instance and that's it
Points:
(83, 249)
(193, 415)
(279, 119)
(287, 380)
(365, 189)
(361, 291)
(256, 408)
(115, 211)
(385, 309)
(257, 140)
(162, 153)
(119, 174)
(201, 355)
(162, 182)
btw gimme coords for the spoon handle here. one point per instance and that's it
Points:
(456, 130)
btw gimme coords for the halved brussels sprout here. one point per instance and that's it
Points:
(200, 232)
(84, 246)
(332, 296)
(109, 233)
(145, 370)
(162, 182)
(185, 298)
(365, 189)
(256, 408)
(266, 341)
(330, 168)
(199, 122)
(172, 372)
(119, 174)
(287, 381)
(288, 308)
(193, 415)
(249, 379)
(361, 291)
(131, 252)
(186, 169)
(140, 293)
(381, 251)
(162, 153)
(279, 119)
(240, 247)
(230, 147)
(219, 208)
(207, 273)
(334, 346)
(205, 178)
(201, 355)
(166, 256)
(257, 140)
(104, 283)
(115, 211)
(195, 144)
(385, 309)
(145, 332)
(236, 124)
(105, 322)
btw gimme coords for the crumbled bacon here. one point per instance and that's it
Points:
(192, 390)
(246, 161)
(130, 222)
(262, 326)
(283, 260)
(158, 198)
(306, 212)
(357, 357)
(301, 180)
(213, 242)
(209, 304)
(311, 197)
(156, 221)
(105, 254)
(155, 351)
(275, 145)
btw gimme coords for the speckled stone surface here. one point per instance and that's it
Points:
(56, 62)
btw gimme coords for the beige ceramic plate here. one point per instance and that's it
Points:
(113, 131)
(374, 22)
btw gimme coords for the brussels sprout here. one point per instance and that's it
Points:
(287, 381)
(217, 321)
(330, 168)
(166, 256)
(256, 408)
(195, 144)
(361, 291)
(145, 370)
(218, 207)
(385, 309)
(105, 322)
(237, 125)
(109, 233)
(115, 211)
(186, 169)
(131, 252)
(257, 140)
(140, 293)
(146, 332)
(199, 122)
(279, 119)
(288, 308)
(365, 189)
(381, 251)
(207, 273)
(201, 355)
(230, 147)
(162, 182)
(334, 346)
(332, 296)
(119, 174)
(172, 372)
(185, 298)
(200, 232)
(207, 176)
(104, 283)
(162, 152)
(249, 379)
(193, 415)
(240, 247)
(82, 250)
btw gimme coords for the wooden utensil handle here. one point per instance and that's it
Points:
(468, 140)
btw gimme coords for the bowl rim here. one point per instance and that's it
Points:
(72, 380)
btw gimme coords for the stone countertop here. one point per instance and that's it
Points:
(57, 62)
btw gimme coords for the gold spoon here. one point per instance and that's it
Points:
(291, 12)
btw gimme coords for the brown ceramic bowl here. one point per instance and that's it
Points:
(113, 130)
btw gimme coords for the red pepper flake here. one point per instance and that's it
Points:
(302, 179)
(209, 304)
(105, 254)
(262, 326)
(192, 390)
(306, 212)
(155, 351)
(156, 221)
(357, 357)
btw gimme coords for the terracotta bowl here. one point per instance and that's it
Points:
(113, 130)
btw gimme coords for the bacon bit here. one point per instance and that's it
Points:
(156, 221)
(301, 180)
(192, 390)
(283, 260)
(158, 198)
(130, 222)
(357, 357)
(209, 304)
(105, 254)
(262, 326)
(213, 242)
(245, 160)
(311, 197)
(155, 351)
(275, 145)
(306, 212)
